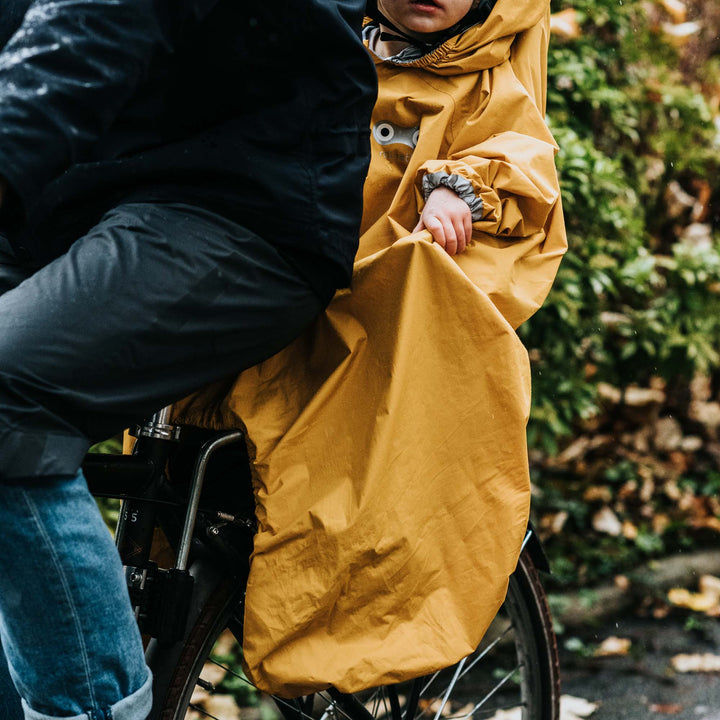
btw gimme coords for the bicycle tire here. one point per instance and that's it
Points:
(536, 674)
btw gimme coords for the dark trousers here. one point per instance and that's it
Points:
(153, 302)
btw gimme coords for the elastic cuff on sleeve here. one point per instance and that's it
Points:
(458, 184)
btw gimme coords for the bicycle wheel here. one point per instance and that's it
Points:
(513, 674)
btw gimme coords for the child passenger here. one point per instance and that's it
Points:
(459, 140)
(408, 29)
(389, 451)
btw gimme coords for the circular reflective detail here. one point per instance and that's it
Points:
(384, 133)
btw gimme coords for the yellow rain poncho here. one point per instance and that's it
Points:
(389, 441)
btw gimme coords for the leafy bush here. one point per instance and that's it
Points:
(633, 299)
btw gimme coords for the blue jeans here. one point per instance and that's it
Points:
(69, 635)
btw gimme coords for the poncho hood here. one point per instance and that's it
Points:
(484, 45)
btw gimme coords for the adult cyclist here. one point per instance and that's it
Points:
(180, 194)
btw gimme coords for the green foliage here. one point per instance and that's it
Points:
(579, 647)
(111, 446)
(632, 300)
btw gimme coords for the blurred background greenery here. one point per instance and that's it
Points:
(625, 427)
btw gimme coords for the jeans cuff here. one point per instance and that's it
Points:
(133, 707)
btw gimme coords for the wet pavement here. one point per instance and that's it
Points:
(643, 684)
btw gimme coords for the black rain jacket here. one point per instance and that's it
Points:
(257, 110)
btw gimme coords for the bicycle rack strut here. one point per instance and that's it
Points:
(162, 597)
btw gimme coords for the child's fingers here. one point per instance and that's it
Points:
(462, 226)
(436, 229)
(461, 234)
(451, 238)
(420, 226)
(468, 227)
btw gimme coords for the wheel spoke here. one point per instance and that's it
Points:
(379, 707)
(481, 655)
(491, 693)
(475, 660)
(336, 708)
(197, 708)
(278, 700)
(449, 689)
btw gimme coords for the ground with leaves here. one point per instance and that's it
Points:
(646, 669)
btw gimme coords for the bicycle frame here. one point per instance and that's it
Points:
(160, 596)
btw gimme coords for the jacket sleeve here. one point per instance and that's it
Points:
(509, 181)
(501, 159)
(66, 74)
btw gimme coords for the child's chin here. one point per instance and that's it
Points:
(427, 34)
(425, 28)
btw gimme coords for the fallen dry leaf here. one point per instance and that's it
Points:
(575, 708)
(710, 585)
(686, 501)
(607, 392)
(553, 523)
(574, 451)
(709, 523)
(704, 195)
(680, 461)
(677, 201)
(622, 582)
(672, 490)
(666, 708)
(597, 493)
(571, 708)
(660, 523)
(660, 612)
(511, 714)
(433, 705)
(606, 521)
(629, 530)
(676, 9)
(700, 662)
(679, 34)
(613, 646)
(627, 490)
(699, 602)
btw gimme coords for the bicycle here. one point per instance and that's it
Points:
(193, 611)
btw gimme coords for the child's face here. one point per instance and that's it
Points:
(420, 18)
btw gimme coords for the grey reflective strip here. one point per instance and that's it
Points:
(407, 54)
(462, 186)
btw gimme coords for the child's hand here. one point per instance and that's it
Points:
(448, 218)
